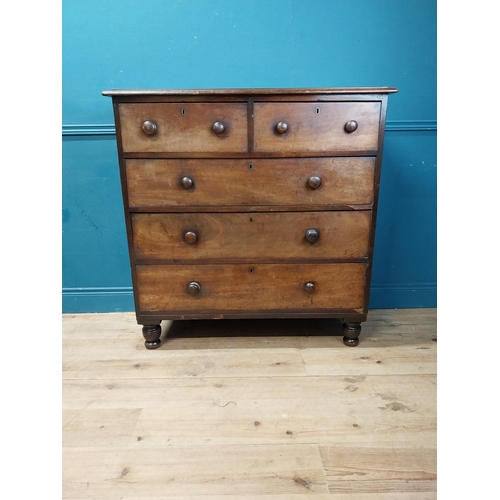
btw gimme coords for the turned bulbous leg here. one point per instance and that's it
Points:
(351, 333)
(152, 335)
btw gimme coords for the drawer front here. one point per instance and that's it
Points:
(257, 182)
(184, 127)
(304, 127)
(254, 236)
(260, 287)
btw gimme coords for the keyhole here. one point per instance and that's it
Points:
(251, 219)
(183, 111)
(317, 110)
(250, 166)
(250, 270)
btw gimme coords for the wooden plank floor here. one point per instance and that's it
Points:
(255, 409)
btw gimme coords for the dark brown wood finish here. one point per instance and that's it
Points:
(378, 168)
(250, 203)
(351, 331)
(184, 127)
(128, 221)
(152, 335)
(297, 93)
(311, 127)
(259, 287)
(260, 182)
(259, 237)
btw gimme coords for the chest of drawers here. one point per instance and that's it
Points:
(250, 203)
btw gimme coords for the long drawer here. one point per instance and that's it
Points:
(257, 236)
(315, 182)
(259, 287)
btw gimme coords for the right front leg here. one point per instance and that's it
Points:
(351, 333)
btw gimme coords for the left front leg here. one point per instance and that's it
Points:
(152, 335)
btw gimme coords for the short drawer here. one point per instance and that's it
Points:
(255, 236)
(259, 287)
(183, 127)
(309, 127)
(314, 182)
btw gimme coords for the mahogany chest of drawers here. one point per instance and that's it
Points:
(250, 203)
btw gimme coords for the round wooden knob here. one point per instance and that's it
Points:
(190, 237)
(312, 235)
(187, 182)
(149, 127)
(309, 287)
(351, 126)
(282, 127)
(314, 182)
(218, 127)
(193, 288)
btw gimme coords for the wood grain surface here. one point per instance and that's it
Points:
(250, 204)
(184, 127)
(138, 93)
(259, 237)
(259, 287)
(256, 182)
(233, 410)
(310, 130)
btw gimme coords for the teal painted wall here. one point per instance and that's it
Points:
(260, 43)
